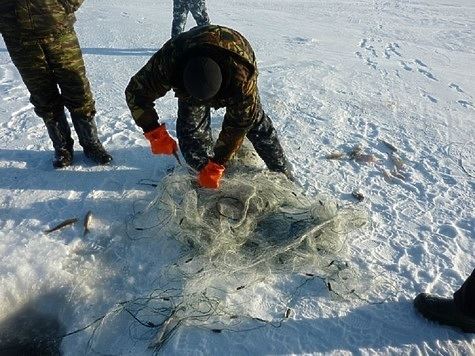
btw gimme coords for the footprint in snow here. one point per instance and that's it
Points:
(422, 64)
(465, 104)
(424, 70)
(456, 87)
(392, 48)
(428, 96)
(405, 66)
(427, 73)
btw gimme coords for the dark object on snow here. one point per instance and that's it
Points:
(61, 225)
(31, 331)
(358, 195)
(458, 312)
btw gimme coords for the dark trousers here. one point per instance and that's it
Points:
(180, 13)
(193, 129)
(465, 297)
(196, 142)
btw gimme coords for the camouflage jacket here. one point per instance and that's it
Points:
(238, 93)
(36, 18)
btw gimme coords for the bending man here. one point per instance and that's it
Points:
(208, 66)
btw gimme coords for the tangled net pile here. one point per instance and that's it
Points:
(254, 241)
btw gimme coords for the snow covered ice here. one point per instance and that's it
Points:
(333, 75)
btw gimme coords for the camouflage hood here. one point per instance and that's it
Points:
(214, 36)
(36, 18)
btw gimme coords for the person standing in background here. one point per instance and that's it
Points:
(42, 43)
(180, 13)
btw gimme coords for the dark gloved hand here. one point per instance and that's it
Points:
(210, 175)
(161, 142)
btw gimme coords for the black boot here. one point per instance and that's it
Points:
(60, 134)
(87, 133)
(444, 311)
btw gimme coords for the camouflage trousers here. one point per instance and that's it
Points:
(180, 13)
(196, 142)
(53, 70)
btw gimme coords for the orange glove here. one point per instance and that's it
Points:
(161, 142)
(210, 175)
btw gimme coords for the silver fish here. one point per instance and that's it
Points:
(362, 158)
(87, 221)
(61, 225)
(398, 162)
(335, 155)
(166, 329)
(389, 145)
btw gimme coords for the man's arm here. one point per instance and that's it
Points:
(238, 120)
(150, 83)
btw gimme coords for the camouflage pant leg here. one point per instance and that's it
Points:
(193, 128)
(180, 13)
(46, 63)
(64, 57)
(30, 60)
(263, 137)
(199, 12)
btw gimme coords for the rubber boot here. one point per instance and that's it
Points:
(60, 134)
(444, 311)
(87, 133)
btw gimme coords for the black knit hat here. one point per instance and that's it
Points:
(202, 77)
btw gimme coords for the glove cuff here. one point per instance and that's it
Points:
(156, 133)
(215, 167)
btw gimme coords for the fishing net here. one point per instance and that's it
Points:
(247, 248)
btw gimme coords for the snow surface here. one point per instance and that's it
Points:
(333, 74)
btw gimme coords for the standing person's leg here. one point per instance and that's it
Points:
(199, 12)
(65, 59)
(263, 137)
(193, 128)
(464, 298)
(180, 13)
(30, 60)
